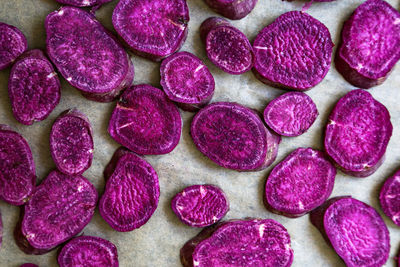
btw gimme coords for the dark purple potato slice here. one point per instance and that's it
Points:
(370, 45)
(29, 265)
(153, 29)
(390, 198)
(17, 175)
(83, 3)
(12, 44)
(187, 81)
(234, 137)
(89, 251)
(87, 55)
(232, 9)
(200, 205)
(357, 134)
(294, 52)
(300, 183)
(227, 47)
(33, 87)
(146, 121)
(61, 206)
(132, 192)
(291, 114)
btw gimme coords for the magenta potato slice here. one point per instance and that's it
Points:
(389, 198)
(370, 45)
(232, 9)
(132, 192)
(357, 134)
(86, 54)
(83, 3)
(153, 29)
(12, 44)
(294, 52)
(33, 87)
(200, 205)
(71, 142)
(146, 121)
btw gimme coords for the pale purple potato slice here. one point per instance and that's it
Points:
(153, 29)
(200, 205)
(146, 121)
(33, 87)
(29, 265)
(12, 44)
(132, 192)
(60, 207)
(370, 45)
(71, 142)
(291, 114)
(232, 9)
(357, 134)
(187, 81)
(227, 47)
(234, 137)
(294, 52)
(299, 183)
(89, 251)
(87, 55)
(389, 198)
(17, 176)
(83, 3)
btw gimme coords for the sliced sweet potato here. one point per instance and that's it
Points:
(389, 198)
(232, 9)
(12, 44)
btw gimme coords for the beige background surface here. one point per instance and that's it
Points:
(158, 242)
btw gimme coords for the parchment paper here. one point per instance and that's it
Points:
(158, 242)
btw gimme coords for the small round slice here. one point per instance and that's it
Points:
(291, 114)
(390, 198)
(200, 205)
(83, 3)
(187, 81)
(12, 44)
(232, 9)
(90, 251)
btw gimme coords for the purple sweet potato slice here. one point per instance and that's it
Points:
(232, 9)
(87, 55)
(153, 29)
(71, 142)
(12, 44)
(226, 47)
(299, 183)
(29, 265)
(357, 134)
(234, 137)
(90, 251)
(291, 114)
(60, 207)
(294, 52)
(370, 45)
(17, 176)
(33, 87)
(390, 198)
(187, 81)
(200, 205)
(83, 3)
(132, 192)
(146, 121)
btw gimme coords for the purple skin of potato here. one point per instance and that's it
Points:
(29, 265)
(300, 183)
(83, 3)
(97, 65)
(90, 251)
(12, 44)
(280, 48)
(153, 29)
(132, 192)
(358, 133)
(187, 81)
(61, 206)
(17, 176)
(234, 137)
(146, 121)
(200, 205)
(232, 9)
(226, 47)
(33, 87)
(389, 198)
(291, 114)
(370, 45)
(71, 142)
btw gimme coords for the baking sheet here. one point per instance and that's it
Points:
(158, 242)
